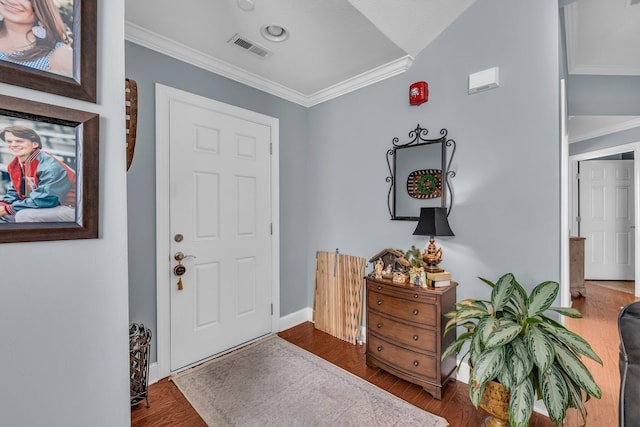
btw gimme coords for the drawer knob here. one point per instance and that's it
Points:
(415, 338)
(379, 302)
(379, 288)
(379, 348)
(379, 325)
(415, 363)
(416, 296)
(415, 312)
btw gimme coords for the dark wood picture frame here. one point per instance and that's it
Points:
(83, 84)
(87, 147)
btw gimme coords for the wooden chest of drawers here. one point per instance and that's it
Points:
(404, 332)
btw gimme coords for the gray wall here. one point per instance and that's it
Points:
(603, 95)
(63, 304)
(506, 212)
(148, 67)
(332, 157)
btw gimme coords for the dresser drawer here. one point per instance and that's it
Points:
(402, 333)
(414, 293)
(411, 311)
(414, 363)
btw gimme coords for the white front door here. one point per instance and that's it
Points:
(607, 219)
(220, 219)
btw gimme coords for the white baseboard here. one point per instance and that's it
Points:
(153, 373)
(296, 318)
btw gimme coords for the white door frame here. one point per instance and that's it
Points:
(573, 168)
(164, 96)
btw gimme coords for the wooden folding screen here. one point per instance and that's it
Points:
(337, 305)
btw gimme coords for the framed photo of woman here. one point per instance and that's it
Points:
(48, 172)
(50, 45)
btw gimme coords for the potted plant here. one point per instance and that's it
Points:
(513, 342)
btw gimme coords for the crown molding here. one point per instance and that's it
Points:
(606, 130)
(166, 46)
(159, 43)
(370, 77)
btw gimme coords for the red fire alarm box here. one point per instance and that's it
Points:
(418, 93)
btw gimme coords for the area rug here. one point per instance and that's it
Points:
(275, 383)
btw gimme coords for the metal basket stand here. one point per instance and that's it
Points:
(139, 346)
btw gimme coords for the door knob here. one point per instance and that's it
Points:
(179, 256)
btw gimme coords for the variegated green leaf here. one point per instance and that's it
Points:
(465, 313)
(518, 370)
(485, 327)
(456, 346)
(475, 392)
(470, 302)
(457, 321)
(506, 331)
(521, 351)
(470, 311)
(541, 298)
(487, 365)
(505, 375)
(554, 393)
(502, 292)
(541, 347)
(575, 396)
(521, 404)
(567, 311)
(454, 323)
(576, 370)
(488, 282)
(519, 298)
(550, 320)
(574, 341)
(475, 348)
(462, 357)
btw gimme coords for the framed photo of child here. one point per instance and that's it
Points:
(50, 45)
(49, 160)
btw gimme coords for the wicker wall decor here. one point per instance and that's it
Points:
(131, 115)
(425, 184)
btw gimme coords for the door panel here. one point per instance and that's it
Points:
(220, 201)
(607, 213)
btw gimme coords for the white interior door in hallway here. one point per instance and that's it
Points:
(607, 219)
(220, 220)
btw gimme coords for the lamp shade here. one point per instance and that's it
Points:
(433, 222)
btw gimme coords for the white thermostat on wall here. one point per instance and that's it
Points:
(483, 80)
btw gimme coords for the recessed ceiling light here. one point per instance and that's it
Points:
(246, 5)
(274, 32)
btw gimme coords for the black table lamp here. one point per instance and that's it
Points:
(433, 222)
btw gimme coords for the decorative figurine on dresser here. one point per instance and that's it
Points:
(405, 324)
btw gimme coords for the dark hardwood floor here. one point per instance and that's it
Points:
(600, 307)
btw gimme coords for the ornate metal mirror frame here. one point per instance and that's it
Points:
(419, 174)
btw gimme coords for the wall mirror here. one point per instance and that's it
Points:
(420, 174)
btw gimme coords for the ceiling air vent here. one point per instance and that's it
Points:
(632, 2)
(249, 45)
